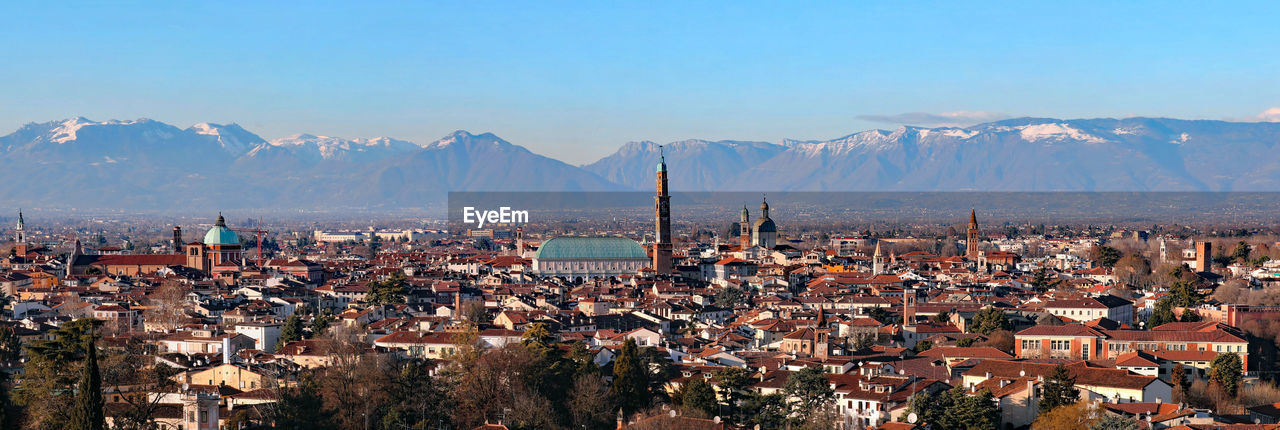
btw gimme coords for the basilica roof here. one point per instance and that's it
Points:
(589, 248)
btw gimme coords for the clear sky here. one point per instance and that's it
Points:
(576, 80)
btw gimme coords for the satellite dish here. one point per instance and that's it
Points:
(912, 418)
(1022, 373)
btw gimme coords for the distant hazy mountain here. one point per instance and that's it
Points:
(702, 165)
(145, 164)
(1025, 154)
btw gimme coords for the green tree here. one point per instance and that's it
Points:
(321, 322)
(389, 291)
(942, 317)
(583, 359)
(730, 297)
(698, 397)
(537, 335)
(989, 320)
(1059, 390)
(735, 387)
(880, 315)
(1043, 281)
(965, 342)
(659, 370)
(417, 401)
(1106, 256)
(954, 409)
(53, 365)
(975, 411)
(1183, 294)
(813, 391)
(550, 373)
(291, 331)
(301, 408)
(1241, 252)
(1189, 315)
(1162, 314)
(1226, 370)
(923, 346)
(88, 412)
(630, 389)
(768, 410)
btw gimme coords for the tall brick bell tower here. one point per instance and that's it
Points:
(662, 217)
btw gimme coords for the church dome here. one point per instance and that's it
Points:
(765, 225)
(220, 234)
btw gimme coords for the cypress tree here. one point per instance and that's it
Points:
(630, 389)
(87, 412)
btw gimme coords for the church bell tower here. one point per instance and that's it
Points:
(662, 217)
(20, 238)
(971, 244)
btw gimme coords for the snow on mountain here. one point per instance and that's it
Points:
(329, 148)
(146, 164)
(233, 138)
(1021, 154)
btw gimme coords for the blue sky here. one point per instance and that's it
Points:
(575, 80)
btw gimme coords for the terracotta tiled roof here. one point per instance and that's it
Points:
(1060, 330)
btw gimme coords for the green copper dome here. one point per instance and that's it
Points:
(590, 248)
(220, 234)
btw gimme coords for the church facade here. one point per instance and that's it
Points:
(221, 249)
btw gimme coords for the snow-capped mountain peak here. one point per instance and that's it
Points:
(327, 147)
(233, 138)
(66, 131)
(466, 138)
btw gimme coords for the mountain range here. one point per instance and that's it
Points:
(149, 165)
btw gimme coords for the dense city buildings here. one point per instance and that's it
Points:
(877, 319)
